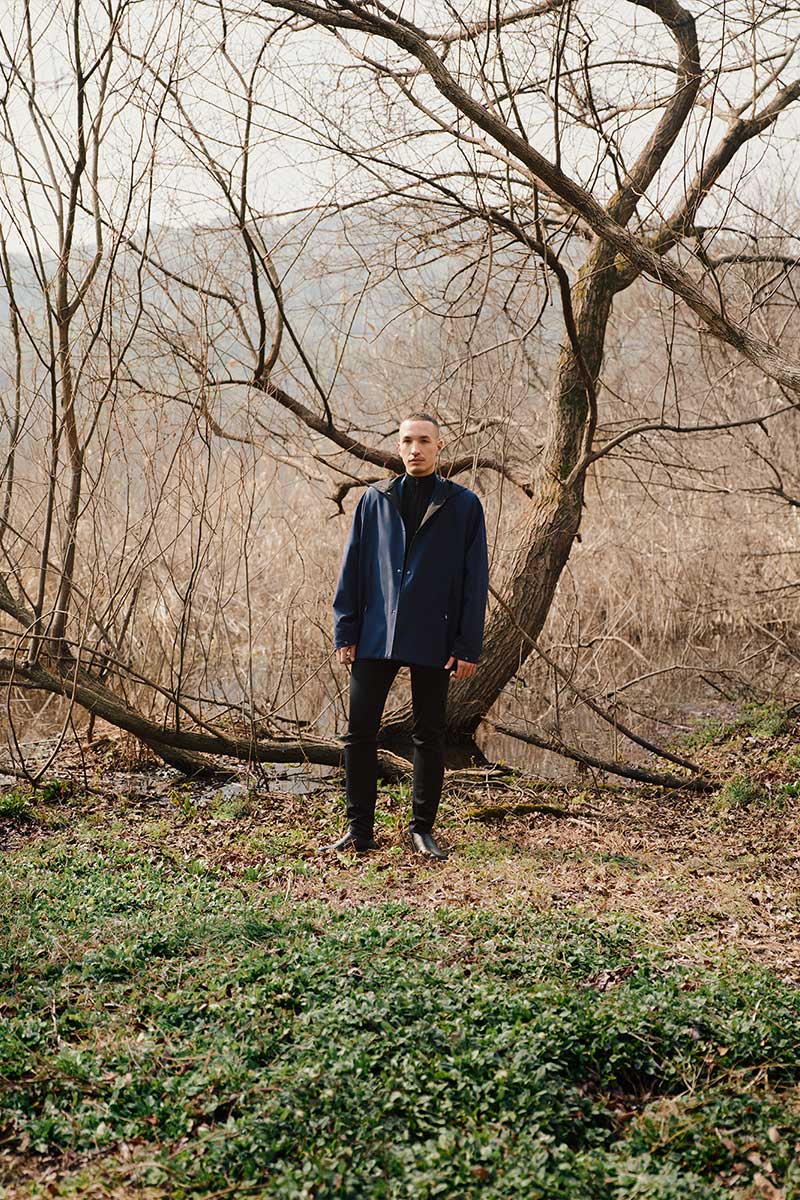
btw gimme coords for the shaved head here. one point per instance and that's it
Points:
(422, 416)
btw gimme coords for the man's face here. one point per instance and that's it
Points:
(419, 446)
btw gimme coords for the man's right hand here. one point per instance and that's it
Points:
(346, 655)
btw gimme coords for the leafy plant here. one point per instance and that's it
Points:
(240, 1042)
(182, 798)
(233, 807)
(765, 720)
(56, 791)
(399, 791)
(15, 805)
(708, 733)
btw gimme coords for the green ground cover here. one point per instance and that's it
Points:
(168, 1030)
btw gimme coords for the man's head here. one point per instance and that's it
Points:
(419, 443)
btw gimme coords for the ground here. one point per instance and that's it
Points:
(596, 995)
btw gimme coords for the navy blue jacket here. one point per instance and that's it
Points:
(437, 606)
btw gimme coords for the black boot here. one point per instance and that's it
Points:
(425, 843)
(352, 840)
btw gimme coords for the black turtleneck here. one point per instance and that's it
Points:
(417, 491)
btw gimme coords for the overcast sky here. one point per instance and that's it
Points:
(304, 92)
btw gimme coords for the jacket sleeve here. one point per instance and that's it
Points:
(469, 636)
(346, 600)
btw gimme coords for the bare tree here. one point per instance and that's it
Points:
(466, 86)
(520, 183)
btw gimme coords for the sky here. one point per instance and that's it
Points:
(309, 93)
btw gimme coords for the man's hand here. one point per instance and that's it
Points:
(346, 655)
(463, 668)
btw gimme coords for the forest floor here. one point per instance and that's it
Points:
(595, 996)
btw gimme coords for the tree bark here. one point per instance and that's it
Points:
(554, 513)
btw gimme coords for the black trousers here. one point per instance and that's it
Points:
(370, 680)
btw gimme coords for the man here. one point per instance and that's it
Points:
(411, 591)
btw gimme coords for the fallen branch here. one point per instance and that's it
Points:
(609, 718)
(625, 771)
(185, 750)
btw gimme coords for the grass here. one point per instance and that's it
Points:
(740, 792)
(761, 721)
(593, 1006)
(15, 805)
(167, 1031)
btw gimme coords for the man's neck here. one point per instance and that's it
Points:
(426, 475)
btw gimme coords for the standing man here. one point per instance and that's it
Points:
(411, 592)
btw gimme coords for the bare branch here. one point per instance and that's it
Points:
(642, 256)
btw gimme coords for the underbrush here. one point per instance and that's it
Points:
(171, 1033)
(759, 721)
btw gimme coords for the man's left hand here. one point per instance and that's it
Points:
(463, 669)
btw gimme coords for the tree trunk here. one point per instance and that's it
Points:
(554, 514)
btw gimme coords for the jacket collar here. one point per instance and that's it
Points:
(443, 489)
